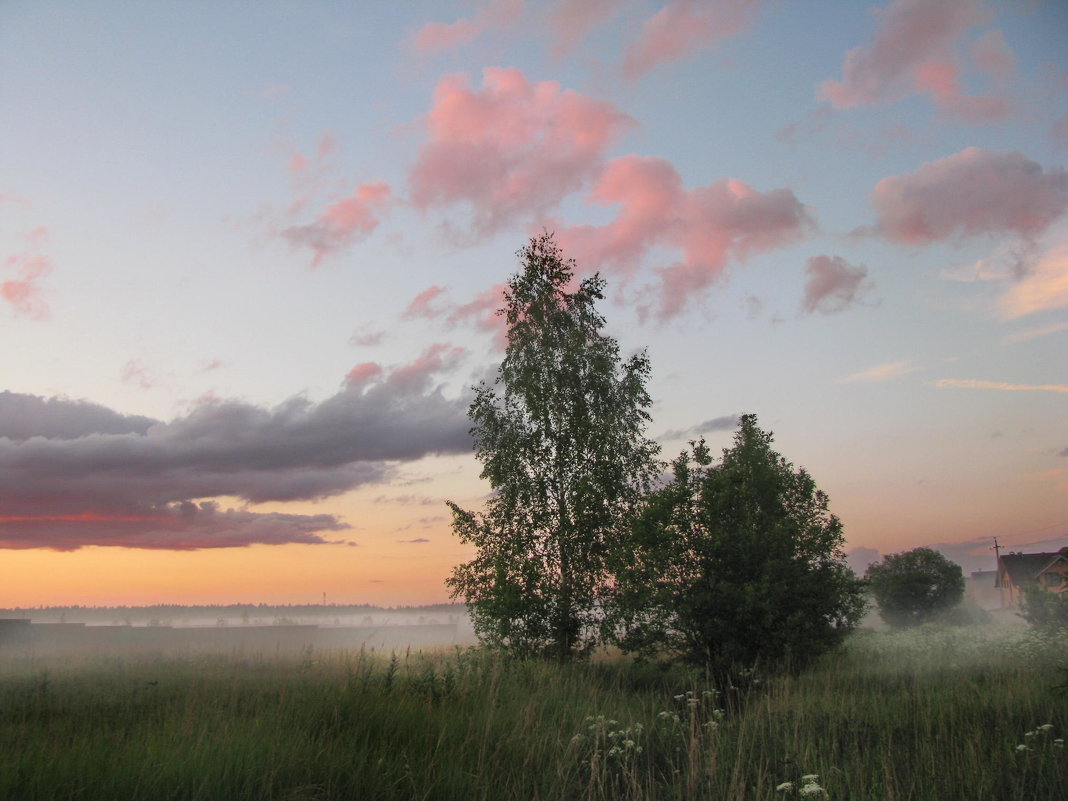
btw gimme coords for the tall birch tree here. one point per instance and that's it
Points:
(560, 435)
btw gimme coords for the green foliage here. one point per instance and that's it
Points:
(915, 587)
(560, 437)
(735, 563)
(1046, 611)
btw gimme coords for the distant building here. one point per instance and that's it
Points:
(981, 587)
(1015, 570)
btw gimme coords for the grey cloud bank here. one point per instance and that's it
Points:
(75, 473)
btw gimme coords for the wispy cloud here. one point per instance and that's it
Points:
(968, 383)
(1034, 333)
(881, 372)
(682, 27)
(725, 423)
(135, 373)
(440, 37)
(572, 20)
(1043, 288)
(480, 311)
(342, 223)
(23, 292)
(368, 336)
(407, 500)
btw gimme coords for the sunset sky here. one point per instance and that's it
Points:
(250, 254)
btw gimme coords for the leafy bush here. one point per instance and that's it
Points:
(915, 587)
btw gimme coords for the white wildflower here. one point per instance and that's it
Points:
(1021, 748)
(785, 787)
(811, 791)
(810, 778)
(1045, 727)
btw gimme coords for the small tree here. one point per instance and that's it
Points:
(735, 563)
(915, 586)
(563, 448)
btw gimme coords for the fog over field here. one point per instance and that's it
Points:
(246, 628)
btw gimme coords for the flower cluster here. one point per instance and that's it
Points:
(1038, 737)
(619, 743)
(807, 787)
(696, 705)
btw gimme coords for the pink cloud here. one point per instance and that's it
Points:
(344, 222)
(480, 311)
(437, 37)
(327, 145)
(363, 373)
(297, 162)
(15, 200)
(913, 50)
(422, 304)
(970, 193)
(572, 21)
(512, 148)
(415, 376)
(683, 26)
(440, 36)
(833, 284)
(134, 372)
(24, 292)
(709, 225)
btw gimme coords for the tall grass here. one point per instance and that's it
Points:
(922, 715)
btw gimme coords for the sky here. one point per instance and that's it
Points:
(250, 254)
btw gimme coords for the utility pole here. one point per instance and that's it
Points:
(997, 554)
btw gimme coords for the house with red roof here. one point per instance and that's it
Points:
(1016, 570)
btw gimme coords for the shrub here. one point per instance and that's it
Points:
(915, 587)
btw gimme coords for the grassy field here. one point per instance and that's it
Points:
(928, 714)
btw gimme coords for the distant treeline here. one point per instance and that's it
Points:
(238, 609)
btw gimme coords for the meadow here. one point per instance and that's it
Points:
(969, 713)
